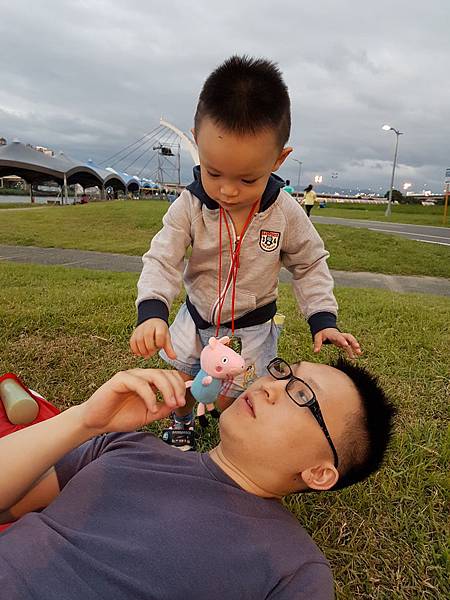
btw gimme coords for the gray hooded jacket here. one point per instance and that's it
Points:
(280, 234)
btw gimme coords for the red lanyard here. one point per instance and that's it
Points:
(232, 276)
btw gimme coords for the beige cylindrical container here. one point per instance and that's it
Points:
(20, 407)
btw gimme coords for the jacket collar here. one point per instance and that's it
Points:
(269, 196)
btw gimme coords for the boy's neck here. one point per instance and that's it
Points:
(239, 217)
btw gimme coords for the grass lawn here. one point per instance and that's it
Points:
(18, 205)
(415, 214)
(65, 331)
(127, 228)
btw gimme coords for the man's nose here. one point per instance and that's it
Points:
(229, 190)
(271, 389)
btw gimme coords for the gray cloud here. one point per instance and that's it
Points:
(90, 77)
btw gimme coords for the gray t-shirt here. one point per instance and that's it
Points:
(139, 519)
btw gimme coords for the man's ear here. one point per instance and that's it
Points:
(281, 158)
(321, 477)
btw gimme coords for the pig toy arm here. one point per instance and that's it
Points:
(207, 380)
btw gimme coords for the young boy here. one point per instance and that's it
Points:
(242, 228)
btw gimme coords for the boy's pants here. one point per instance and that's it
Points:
(259, 346)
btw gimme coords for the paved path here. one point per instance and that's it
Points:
(104, 261)
(419, 233)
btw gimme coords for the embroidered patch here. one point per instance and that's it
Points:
(249, 375)
(269, 240)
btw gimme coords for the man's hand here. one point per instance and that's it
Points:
(346, 341)
(128, 400)
(149, 337)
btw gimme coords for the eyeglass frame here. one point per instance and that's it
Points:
(312, 404)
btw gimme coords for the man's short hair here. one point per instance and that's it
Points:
(246, 95)
(367, 435)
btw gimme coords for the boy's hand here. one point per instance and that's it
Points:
(149, 337)
(342, 340)
(128, 400)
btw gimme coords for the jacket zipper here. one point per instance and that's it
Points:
(226, 287)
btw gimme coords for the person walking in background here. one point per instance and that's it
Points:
(288, 187)
(309, 199)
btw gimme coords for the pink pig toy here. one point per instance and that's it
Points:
(218, 363)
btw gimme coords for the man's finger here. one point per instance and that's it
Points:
(141, 384)
(179, 387)
(164, 382)
(163, 411)
(128, 381)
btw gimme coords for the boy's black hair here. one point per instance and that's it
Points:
(367, 436)
(246, 95)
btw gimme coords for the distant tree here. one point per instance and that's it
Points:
(397, 196)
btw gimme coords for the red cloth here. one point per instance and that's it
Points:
(46, 411)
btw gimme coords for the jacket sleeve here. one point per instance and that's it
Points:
(304, 255)
(163, 264)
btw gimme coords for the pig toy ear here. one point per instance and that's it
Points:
(224, 340)
(212, 342)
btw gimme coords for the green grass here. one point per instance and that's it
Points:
(353, 249)
(65, 331)
(18, 205)
(415, 214)
(127, 228)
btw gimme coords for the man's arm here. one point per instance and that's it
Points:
(27, 454)
(124, 403)
(38, 496)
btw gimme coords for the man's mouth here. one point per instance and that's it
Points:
(247, 400)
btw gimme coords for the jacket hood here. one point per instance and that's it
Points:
(269, 196)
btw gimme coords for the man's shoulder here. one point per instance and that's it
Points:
(306, 571)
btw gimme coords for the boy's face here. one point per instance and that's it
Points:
(235, 168)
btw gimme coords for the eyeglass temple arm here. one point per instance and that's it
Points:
(318, 415)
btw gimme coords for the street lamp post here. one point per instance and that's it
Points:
(299, 170)
(394, 164)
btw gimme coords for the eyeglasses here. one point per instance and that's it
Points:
(302, 394)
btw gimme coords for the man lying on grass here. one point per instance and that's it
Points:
(113, 522)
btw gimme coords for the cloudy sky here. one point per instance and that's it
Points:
(90, 76)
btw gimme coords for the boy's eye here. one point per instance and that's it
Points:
(213, 174)
(248, 181)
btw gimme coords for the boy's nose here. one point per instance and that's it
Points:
(230, 191)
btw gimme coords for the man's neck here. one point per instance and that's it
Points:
(239, 476)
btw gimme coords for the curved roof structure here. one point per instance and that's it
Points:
(30, 164)
(36, 167)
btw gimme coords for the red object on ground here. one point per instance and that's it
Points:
(46, 411)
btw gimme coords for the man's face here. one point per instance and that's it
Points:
(235, 168)
(276, 440)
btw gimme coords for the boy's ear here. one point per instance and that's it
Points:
(282, 157)
(193, 134)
